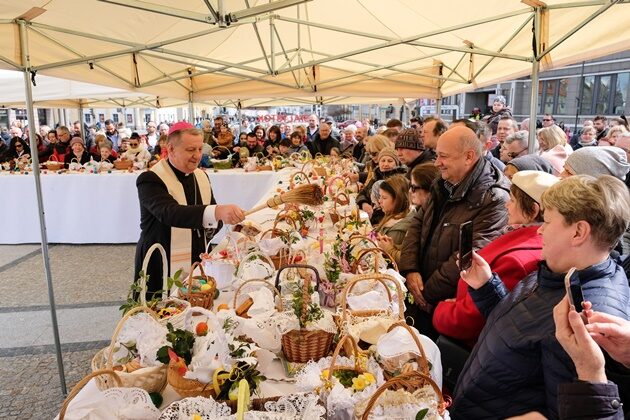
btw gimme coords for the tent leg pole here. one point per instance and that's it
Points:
(533, 106)
(191, 109)
(40, 204)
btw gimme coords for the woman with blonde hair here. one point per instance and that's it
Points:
(553, 147)
(374, 145)
(394, 202)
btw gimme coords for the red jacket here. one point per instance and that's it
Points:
(512, 256)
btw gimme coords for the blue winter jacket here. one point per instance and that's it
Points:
(517, 364)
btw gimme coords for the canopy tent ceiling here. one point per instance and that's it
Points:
(53, 92)
(319, 51)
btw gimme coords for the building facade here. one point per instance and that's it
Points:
(573, 93)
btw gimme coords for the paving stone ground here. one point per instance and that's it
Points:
(84, 276)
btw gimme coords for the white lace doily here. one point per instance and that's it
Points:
(114, 403)
(290, 407)
(206, 408)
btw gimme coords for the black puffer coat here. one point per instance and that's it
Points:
(517, 364)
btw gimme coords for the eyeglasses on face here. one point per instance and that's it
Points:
(547, 119)
(414, 188)
(373, 154)
(513, 155)
(134, 144)
(18, 145)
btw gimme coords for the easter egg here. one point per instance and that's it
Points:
(205, 287)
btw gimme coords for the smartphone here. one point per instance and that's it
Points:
(465, 245)
(574, 290)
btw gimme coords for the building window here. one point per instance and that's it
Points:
(115, 118)
(621, 93)
(561, 104)
(88, 118)
(550, 90)
(101, 117)
(603, 95)
(129, 119)
(587, 95)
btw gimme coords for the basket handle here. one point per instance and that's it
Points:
(411, 380)
(355, 351)
(119, 327)
(274, 290)
(190, 278)
(305, 266)
(243, 261)
(293, 175)
(79, 386)
(145, 265)
(423, 361)
(284, 216)
(358, 236)
(366, 251)
(381, 278)
(223, 147)
(331, 183)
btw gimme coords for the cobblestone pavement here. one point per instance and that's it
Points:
(84, 276)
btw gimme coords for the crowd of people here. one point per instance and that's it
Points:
(527, 349)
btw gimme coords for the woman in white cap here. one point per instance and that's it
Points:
(512, 256)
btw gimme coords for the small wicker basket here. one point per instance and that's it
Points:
(123, 164)
(79, 386)
(151, 379)
(53, 165)
(202, 299)
(302, 345)
(409, 382)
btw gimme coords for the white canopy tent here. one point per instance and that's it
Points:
(316, 51)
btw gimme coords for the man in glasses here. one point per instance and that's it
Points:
(416, 124)
(506, 127)
(177, 206)
(548, 120)
(515, 145)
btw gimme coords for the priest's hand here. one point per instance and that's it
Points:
(229, 213)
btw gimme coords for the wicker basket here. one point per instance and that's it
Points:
(53, 165)
(390, 365)
(341, 199)
(201, 299)
(283, 257)
(79, 386)
(301, 345)
(350, 348)
(177, 320)
(378, 252)
(346, 313)
(123, 164)
(242, 308)
(151, 379)
(410, 382)
(297, 179)
(222, 163)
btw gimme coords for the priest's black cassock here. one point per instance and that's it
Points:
(159, 212)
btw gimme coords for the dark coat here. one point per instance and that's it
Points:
(85, 158)
(432, 242)
(324, 146)
(159, 211)
(493, 119)
(586, 400)
(518, 364)
(427, 156)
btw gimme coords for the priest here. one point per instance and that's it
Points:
(177, 208)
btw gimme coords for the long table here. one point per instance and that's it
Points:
(100, 208)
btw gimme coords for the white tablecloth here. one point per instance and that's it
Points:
(103, 208)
